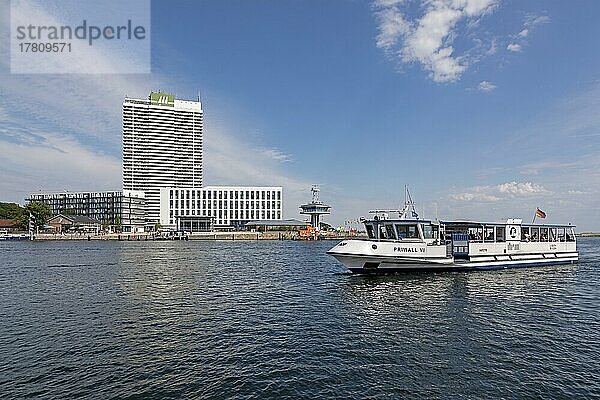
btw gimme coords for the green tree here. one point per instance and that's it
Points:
(14, 212)
(40, 212)
(11, 211)
(68, 211)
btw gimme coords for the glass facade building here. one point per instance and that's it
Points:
(119, 210)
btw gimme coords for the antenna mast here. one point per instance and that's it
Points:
(408, 211)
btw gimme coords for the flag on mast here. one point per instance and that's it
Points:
(539, 213)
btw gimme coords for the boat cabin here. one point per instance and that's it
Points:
(512, 230)
(462, 235)
(416, 230)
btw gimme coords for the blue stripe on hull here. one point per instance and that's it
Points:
(457, 267)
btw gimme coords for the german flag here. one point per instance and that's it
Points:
(540, 214)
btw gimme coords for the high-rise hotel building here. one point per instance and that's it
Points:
(162, 147)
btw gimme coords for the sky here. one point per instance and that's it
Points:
(486, 109)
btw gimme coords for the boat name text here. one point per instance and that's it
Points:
(409, 249)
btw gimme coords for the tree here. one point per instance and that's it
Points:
(40, 212)
(11, 211)
(14, 212)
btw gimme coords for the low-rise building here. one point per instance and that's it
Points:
(9, 225)
(74, 224)
(115, 210)
(219, 207)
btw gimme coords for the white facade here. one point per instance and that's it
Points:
(162, 147)
(230, 206)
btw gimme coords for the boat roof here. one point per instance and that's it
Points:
(400, 220)
(479, 223)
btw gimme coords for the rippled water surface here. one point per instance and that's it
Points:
(283, 320)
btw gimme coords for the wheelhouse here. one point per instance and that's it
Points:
(402, 229)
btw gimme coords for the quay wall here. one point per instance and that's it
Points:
(273, 235)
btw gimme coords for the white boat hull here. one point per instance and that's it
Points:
(364, 256)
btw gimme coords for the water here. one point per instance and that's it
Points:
(282, 320)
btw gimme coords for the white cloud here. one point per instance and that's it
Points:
(57, 162)
(229, 161)
(392, 24)
(486, 86)
(529, 24)
(275, 154)
(75, 143)
(514, 47)
(532, 20)
(493, 48)
(501, 192)
(518, 189)
(428, 40)
(474, 196)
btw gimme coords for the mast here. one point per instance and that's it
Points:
(408, 211)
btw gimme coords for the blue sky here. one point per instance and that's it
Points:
(485, 108)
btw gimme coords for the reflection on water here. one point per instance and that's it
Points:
(278, 319)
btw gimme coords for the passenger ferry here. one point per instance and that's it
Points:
(410, 243)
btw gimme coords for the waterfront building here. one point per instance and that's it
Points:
(219, 207)
(74, 223)
(118, 210)
(162, 147)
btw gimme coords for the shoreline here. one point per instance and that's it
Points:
(215, 236)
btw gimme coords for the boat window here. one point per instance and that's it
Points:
(570, 235)
(489, 234)
(370, 231)
(553, 234)
(427, 231)
(476, 234)
(382, 232)
(544, 234)
(561, 234)
(535, 234)
(407, 231)
(389, 231)
(525, 234)
(500, 234)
